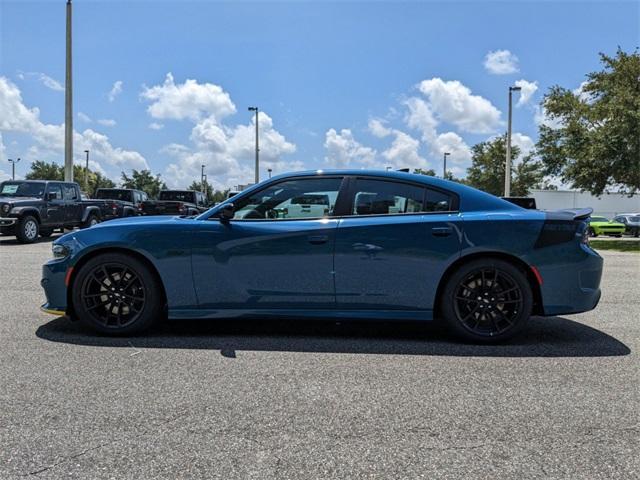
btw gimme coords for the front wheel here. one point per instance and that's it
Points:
(592, 232)
(487, 301)
(27, 229)
(117, 294)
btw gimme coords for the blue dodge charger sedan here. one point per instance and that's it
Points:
(333, 244)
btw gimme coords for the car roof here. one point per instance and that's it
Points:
(470, 198)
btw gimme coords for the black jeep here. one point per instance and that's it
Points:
(29, 208)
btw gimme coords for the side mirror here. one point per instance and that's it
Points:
(52, 196)
(226, 212)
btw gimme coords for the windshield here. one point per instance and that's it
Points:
(22, 189)
(176, 196)
(599, 219)
(114, 194)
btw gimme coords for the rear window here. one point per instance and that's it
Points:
(176, 196)
(109, 194)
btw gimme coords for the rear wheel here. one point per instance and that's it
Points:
(92, 220)
(117, 294)
(487, 301)
(27, 229)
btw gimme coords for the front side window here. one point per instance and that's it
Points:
(292, 199)
(54, 192)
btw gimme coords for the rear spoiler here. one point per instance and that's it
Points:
(576, 213)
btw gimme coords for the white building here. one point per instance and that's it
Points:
(608, 205)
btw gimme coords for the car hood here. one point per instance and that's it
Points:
(150, 220)
(19, 200)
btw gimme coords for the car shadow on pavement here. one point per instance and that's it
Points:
(10, 240)
(545, 337)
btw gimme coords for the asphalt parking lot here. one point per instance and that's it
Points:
(317, 400)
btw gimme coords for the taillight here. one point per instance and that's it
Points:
(181, 207)
(114, 208)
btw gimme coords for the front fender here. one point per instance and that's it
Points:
(22, 211)
(89, 210)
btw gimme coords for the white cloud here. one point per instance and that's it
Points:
(454, 144)
(343, 150)
(116, 90)
(226, 151)
(542, 117)
(49, 138)
(189, 100)
(3, 175)
(526, 92)
(83, 117)
(582, 95)
(378, 128)
(43, 78)
(452, 102)
(420, 117)
(403, 152)
(523, 142)
(501, 62)
(107, 122)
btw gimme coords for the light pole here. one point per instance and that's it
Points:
(444, 165)
(507, 169)
(68, 106)
(86, 173)
(257, 179)
(202, 177)
(13, 167)
(269, 170)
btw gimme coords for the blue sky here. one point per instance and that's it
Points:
(362, 84)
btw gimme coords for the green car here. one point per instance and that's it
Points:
(603, 226)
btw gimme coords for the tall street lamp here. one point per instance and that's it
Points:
(68, 104)
(507, 170)
(444, 166)
(202, 177)
(269, 170)
(13, 167)
(257, 179)
(86, 172)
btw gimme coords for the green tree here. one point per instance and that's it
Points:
(430, 172)
(144, 180)
(596, 144)
(488, 168)
(41, 170)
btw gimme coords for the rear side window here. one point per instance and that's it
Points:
(70, 192)
(381, 197)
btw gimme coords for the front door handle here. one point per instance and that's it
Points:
(318, 239)
(441, 231)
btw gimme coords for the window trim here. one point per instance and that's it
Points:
(351, 196)
(338, 206)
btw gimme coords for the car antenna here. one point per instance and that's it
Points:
(405, 170)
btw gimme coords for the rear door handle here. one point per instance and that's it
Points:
(441, 231)
(318, 239)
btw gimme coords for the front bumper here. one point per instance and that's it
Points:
(53, 282)
(7, 221)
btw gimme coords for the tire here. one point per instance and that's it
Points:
(592, 232)
(487, 301)
(91, 220)
(27, 229)
(117, 294)
(46, 233)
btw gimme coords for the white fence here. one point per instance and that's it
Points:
(608, 205)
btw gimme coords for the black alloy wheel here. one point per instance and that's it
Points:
(117, 294)
(487, 301)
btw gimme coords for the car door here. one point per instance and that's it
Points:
(73, 207)
(393, 248)
(55, 205)
(267, 257)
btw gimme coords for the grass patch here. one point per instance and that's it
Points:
(619, 245)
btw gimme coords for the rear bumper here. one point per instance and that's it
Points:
(572, 285)
(55, 290)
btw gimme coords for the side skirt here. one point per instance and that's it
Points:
(183, 314)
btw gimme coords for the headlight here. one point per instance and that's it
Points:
(60, 251)
(5, 208)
